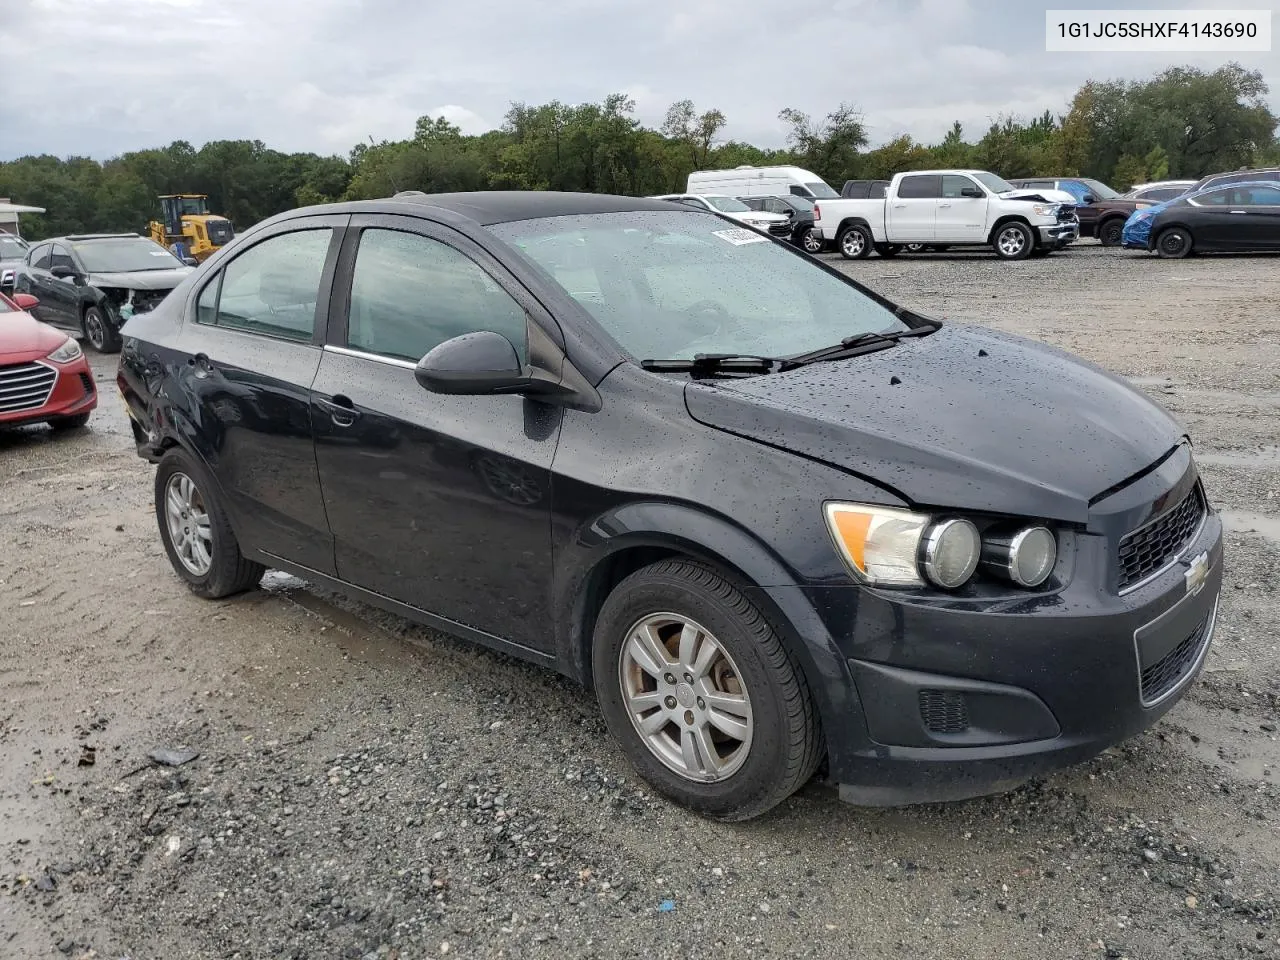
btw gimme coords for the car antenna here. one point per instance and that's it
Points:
(395, 187)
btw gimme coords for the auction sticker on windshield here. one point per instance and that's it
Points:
(739, 236)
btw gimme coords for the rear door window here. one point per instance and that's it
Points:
(273, 287)
(1260, 196)
(928, 186)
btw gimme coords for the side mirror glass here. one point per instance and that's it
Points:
(25, 301)
(191, 261)
(474, 363)
(1088, 198)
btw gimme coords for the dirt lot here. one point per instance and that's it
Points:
(365, 787)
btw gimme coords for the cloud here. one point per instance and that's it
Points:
(99, 77)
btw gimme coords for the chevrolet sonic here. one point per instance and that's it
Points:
(776, 521)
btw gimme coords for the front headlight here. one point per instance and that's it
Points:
(899, 548)
(1045, 209)
(69, 351)
(887, 547)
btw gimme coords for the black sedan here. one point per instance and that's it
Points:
(1235, 218)
(90, 284)
(798, 210)
(775, 520)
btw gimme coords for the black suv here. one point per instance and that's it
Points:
(90, 284)
(799, 209)
(775, 520)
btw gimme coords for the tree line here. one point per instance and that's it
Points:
(1183, 122)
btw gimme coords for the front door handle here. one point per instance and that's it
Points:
(944, 205)
(341, 410)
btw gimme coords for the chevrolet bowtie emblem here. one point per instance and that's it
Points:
(1197, 573)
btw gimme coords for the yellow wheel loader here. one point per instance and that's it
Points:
(188, 229)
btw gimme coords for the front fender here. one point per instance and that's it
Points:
(583, 564)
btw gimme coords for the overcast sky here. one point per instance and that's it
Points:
(99, 77)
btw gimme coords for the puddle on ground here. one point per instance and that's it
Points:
(1237, 744)
(1240, 521)
(1263, 458)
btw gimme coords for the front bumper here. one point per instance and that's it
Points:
(73, 392)
(943, 698)
(1060, 234)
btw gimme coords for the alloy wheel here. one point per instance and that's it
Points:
(853, 243)
(94, 330)
(685, 697)
(187, 518)
(1011, 241)
(811, 243)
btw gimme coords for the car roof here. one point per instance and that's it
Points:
(1214, 188)
(504, 206)
(82, 237)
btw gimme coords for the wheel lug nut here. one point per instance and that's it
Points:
(688, 717)
(670, 702)
(702, 704)
(688, 678)
(670, 679)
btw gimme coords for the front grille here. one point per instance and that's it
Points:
(943, 711)
(1157, 543)
(86, 381)
(25, 386)
(1167, 672)
(1067, 214)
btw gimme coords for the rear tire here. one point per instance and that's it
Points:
(683, 612)
(1013, 241)
(888, 249)
(854, 242)
(811, 243)
(1174, 243)
(98, 331)
(214, 567)
(1110, 232)
(70, 423)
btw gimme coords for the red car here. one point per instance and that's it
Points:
(44, 376)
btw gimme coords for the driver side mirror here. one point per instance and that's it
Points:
(63, 272)
(1088, 198)
(480, 364)
(973, 193)
(191, 261)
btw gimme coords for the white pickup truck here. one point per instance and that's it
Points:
(950, 208)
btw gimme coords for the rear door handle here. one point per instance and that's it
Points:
(944, 205)
(341, 410)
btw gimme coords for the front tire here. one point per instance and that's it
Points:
(1111, 232)
(1174, 243)
(1013, 241)
(888, 249)
(854, 242)
(103, 337)
(811, 243)
(195, 530)
(701, 694)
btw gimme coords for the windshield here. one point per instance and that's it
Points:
(1100, 189)
(672, 285)
(821, 190)
(124, 256)
(727, 204)
(994, 183)
(11, 248)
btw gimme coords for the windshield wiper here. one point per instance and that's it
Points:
(708, 363)
(860, 343)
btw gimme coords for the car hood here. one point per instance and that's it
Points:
(23, 338)
(142, 279)
(1047, 196)
(961, 419)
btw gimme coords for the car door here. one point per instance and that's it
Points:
(65, 292)
(914, 211)
(1217, 219)
(34, 278)
(438, 501)
(252, 354)
(1262, 217)
(961, 219)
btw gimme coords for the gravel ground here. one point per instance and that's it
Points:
(367, 788)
